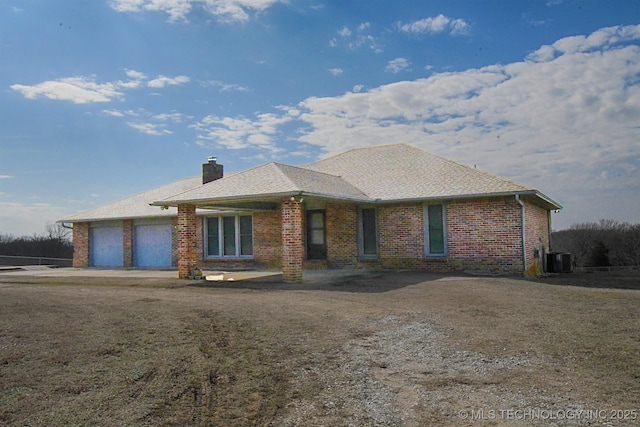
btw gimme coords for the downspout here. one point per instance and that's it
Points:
(524, 248)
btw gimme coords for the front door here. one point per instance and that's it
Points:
(316, 235)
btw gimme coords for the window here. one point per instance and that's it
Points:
(213, 237)
(434, 229)
(368, 233)
(229, 236)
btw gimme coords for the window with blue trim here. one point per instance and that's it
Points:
(435, 230)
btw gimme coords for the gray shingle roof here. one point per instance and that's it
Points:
(387, 173)
(137, 206)
(269, 180)
(403, 172)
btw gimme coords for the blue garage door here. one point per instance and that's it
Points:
(152, 245)
(105, 246)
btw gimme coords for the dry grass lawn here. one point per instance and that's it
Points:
(400, 349)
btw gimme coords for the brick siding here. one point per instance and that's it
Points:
(292, 240)
(187, 230)
(401, 235)
(81, 245)
(482, 235)
(536, 238)
(342, 235)
(267, 238)
(485, 235)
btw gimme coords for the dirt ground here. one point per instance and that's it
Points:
(396, 349)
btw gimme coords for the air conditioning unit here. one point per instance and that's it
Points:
(558, 262)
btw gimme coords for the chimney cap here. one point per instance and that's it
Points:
(212, 159)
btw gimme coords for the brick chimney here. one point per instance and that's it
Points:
(211, 170)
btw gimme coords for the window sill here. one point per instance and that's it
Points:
(436, 257)
(228, 258)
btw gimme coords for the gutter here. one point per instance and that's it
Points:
(258, 197)
(524, 242)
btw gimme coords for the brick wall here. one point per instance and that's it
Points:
(81, 244)
(401, 235)
(485, 235)
(482, 235)
(292, 240)
(267, 238)
(342, 235)
(187, 230)
(536, 237)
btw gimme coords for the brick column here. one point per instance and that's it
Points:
(292, 241)
(127, 243)
(81, 244)
(187, 242)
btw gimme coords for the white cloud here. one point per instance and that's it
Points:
(6, 176)
(336, 71)
(356, 39)
(113, 113)
(396, 65)
(162, 81)
(85, 89)
(434, 25)
(344, 32)
(172, 117)
(148, 123)
(223, 10)
(242, 132)
(149, 128)
(566, 121)
(137, 75)
(79, 90)
(136, 80)
(358, 88)
(225, 87)
(602, 38)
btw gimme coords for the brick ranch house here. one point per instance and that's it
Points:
(392, 206)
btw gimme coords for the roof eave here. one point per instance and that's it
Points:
(252, 198)
(221, 200)
(114, 218)
(550, 203)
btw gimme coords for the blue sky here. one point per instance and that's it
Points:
(103, 99)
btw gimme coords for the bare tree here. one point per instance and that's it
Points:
(607, 241)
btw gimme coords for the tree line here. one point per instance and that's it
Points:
(600, 244)
(54, 243)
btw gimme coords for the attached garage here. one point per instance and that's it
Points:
(105, 244)
(151, 244)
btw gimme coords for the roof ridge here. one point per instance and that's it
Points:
(283, 174)
(371, 147)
